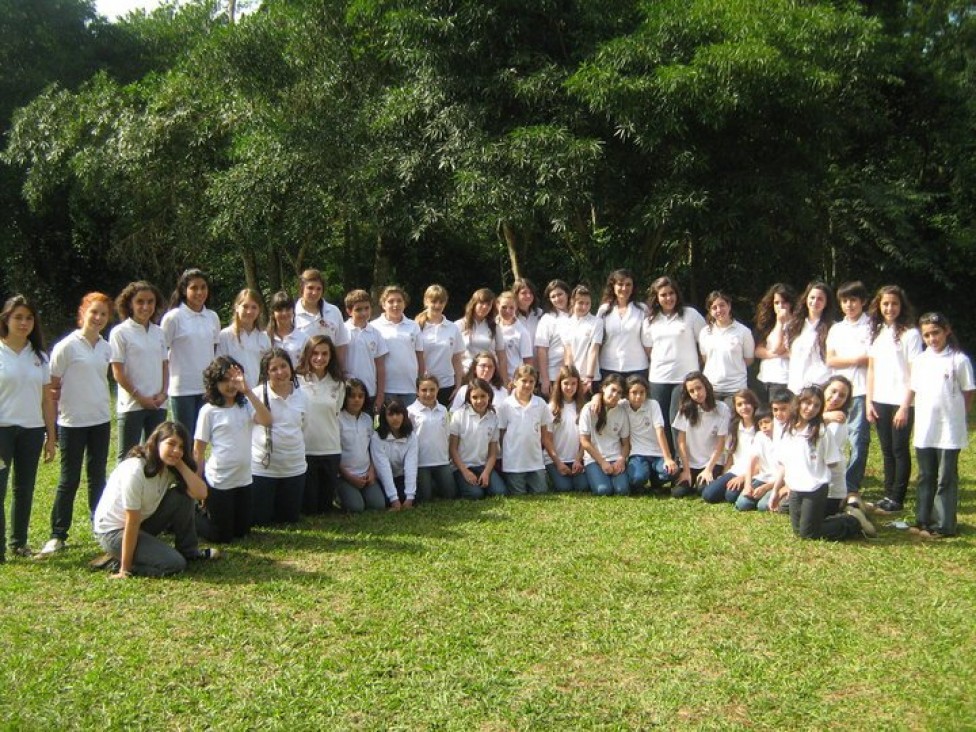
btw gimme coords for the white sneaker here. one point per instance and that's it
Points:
(53, 546)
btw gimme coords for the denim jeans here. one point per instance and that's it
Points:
(938, 489)
(435, 480)
(896, 450)
(859, 437)
(690, 490)
(20, 451)
(357, 500)
(644, 468)
(807, 515)
(602, 484)
(496, 486)
(532, 481)
(79, 444)
(718, 490)
(154, 557)
(185, 410)
(566, 483)
(667, 396)
(321, 480)
(748, 503)
(228, 514)
(135, 428)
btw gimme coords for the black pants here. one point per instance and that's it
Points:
(896, 450)
(227, 515)
(807, 514)
(320, 484)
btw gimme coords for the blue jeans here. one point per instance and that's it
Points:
(602, 484)
(185, 410)
(748, 503)
(938, 489)
(20, 451)
(135, 428)
(77, 444)
(357, 500)
(533, 481)
(496, 486)
(435, 480)
(718, 490)
(644, 468)
(859, 437)
(154, 557)
(566, 483)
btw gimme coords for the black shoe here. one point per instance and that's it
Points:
(203, 555)
(887, 505)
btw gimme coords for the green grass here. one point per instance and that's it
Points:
(555, 612)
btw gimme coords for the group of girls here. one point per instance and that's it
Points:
(317, 413)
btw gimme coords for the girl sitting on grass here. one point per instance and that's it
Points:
(605, 436)
(742, 432)
(701, 426)
(393, 448)
(151, 491)
(566, 471)
(474, 444)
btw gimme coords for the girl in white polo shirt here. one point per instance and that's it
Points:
(701, 425)
(358, 485)
(26, 415)
(584, 336)
(225, 424)
(405, 344)
(518, 343)
(315, 316)
(479, 331)
(806, 336)
(320, 378)
(140, 364)
(431, 423)
(244, 340)
(605, 436)
(79, 385)
(726, 346)
(773, 315)
(443, 344)
(191, 331)
(393, 448)
(622, 351)
(484, 366)
(524, 422)
(474, 444)
(942, 382)
(278, 452)
(550, 344)
(281, 326)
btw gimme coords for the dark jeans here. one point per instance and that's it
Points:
(277, 500)
(692, 489)
(135, 428)
(227, 515)
(321, 480)
(185, 410)
(896, 450)
(667, 396)
(435, 480)
(938, 489)
(154, 557)
(20, 451)
(79, 444)
(766, 389)
(808, 516)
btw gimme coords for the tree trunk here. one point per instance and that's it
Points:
(275, 269)
(382, 270)
(250, 269)
(508, 231)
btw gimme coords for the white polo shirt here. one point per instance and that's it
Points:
(325, 399)
(807, 365)
(725, 351)
(701, 438)
(523, 425)
(775, 370)
(549, 335)
(891, 363)
(442, 341)
(581, 335)
(287, 433)
(191, 338)
(673, 340)
(404, 342)
(940, 381)
(365, 346)
(23, 376)
(432, 427)
(247, 349)
(622, 348)
(644, 423)
(142, 353)
(293, 344)
(475, 433)
(479, 339)
(518, 346)
(838, 471)
(128, 489)
(807, 466)
(328, 323)
(565, 434)
(355, 433)
(608, 440)
(852, 340)
(228, 432)
(764, 449)
(738, 462)
(498, 396)
(83, 369)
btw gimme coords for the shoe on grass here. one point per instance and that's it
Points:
(887, 505)
(866, 526)
(203, 555)
(102, 562)
(53, 546)
(23, 551)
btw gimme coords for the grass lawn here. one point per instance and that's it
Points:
(560, 612)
